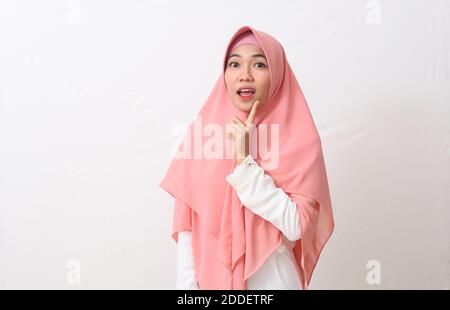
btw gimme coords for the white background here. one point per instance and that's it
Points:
(90, 92)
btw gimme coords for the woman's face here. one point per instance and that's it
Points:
(247, 67)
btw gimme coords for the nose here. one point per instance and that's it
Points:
(245, 75)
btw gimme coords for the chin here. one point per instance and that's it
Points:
(243, 106)
(246, 107)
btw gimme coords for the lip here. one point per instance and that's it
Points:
(246, 87)
(246, 98)
(249, 97)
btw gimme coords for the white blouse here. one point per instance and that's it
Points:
(257, 191)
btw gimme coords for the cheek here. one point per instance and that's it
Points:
(228, 80)
(229, 88)
(264, 83)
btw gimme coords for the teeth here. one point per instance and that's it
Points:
(246, 92)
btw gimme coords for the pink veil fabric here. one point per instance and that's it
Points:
(230, 243)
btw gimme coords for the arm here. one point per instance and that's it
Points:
(257, 191)
(185, 263)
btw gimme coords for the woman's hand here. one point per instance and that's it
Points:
(240, 133)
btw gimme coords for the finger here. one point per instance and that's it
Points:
(235, 129)
(240, 126)
(252, 114)
(238, 120)
(230, 131)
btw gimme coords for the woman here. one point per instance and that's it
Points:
(258, 217)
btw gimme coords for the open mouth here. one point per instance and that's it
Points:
(246, 93)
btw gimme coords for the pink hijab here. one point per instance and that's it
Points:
(230, 243)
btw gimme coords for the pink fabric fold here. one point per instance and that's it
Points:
(245, 38)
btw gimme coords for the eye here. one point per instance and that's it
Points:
(234, 64)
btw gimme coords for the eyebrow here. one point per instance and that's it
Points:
(255, 55)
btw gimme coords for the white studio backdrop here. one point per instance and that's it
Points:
(91, 92)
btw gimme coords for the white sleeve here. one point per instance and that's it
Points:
(258, 192)
(186, 279)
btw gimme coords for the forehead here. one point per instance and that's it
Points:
(246, 50)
